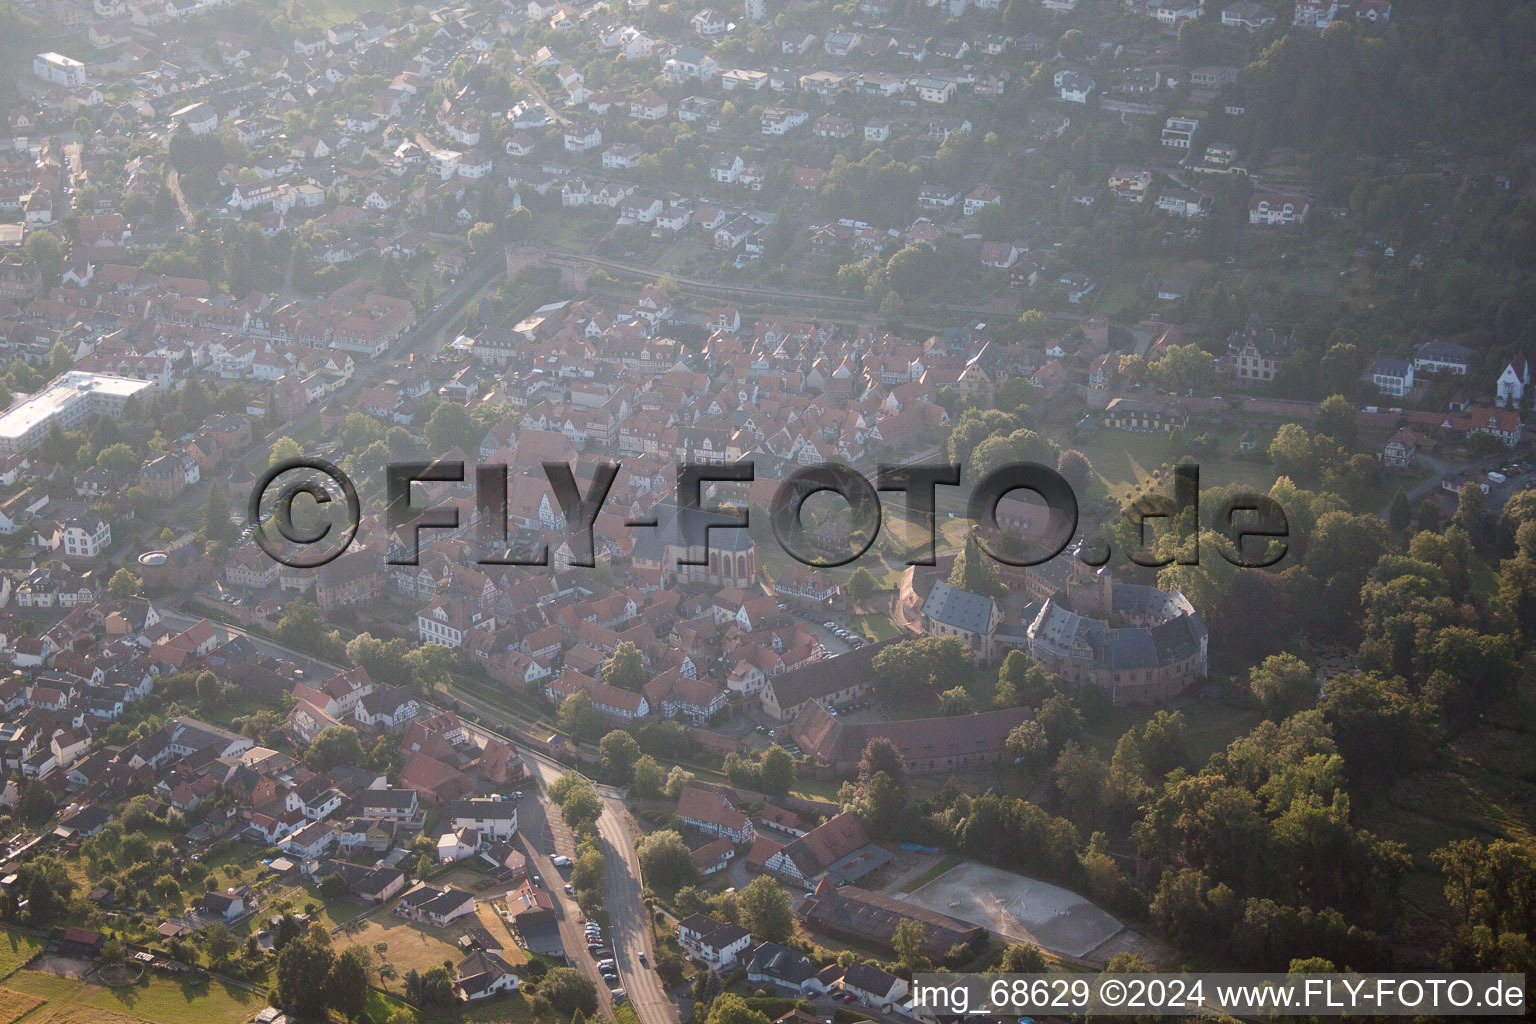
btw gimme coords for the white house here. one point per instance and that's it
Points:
(1277, 209)
(1073, 86)
(492, 818)
(717, 943)
(58, 69)
(933, 90)
(1179, 132)
(781, 120)
(1513, 380)
(1442, 357)
(85, 537)
(1392, 376)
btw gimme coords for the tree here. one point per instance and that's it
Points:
(677, 780)
(954, 702)
(222, 943)
(569, 991)
(1400, 515)
(1027, 678)
(587, 872)
(1060, 719)
(335, 745)
(1081, 775)
(36, 803)
(285, 449)
(976, 573)
(670, 967)
(649, 778)
(217, 526)
(118, 459)
(882, 755)
(450, 426)
(1336, 418)
(1075, 469)
(665, 861)
(123, 584)
(1381, 730)
(1283, 684)
(347, 984)
(1022, 958)
(766, 910)
(1429, 516)
(334, 887)
(730, 1008)
(581, 807)
(1292, 452)
(907, 942)
(1162, 741)
(861, 585)
(777, 774)
(626, 668)
(577, 717)
(44, 251)
(481, 238)
(1472, 515)
(879, 806)
(1028, 744)
(619, 752)
(905, 668)
(303, 968)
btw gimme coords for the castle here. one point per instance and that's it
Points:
(1139, 644)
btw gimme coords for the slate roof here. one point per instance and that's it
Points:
(958, 608)
(686, 528)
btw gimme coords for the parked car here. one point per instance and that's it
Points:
(643, 961)
(560, 861)
(570, 890)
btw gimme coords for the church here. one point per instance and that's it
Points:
(680, 534)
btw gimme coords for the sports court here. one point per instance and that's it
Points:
(1016, 907)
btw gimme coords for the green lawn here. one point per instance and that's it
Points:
(16, 948)
(156, 999)
(1208, 728)
(1123, 460)
(943, 867)
(334, 12)
(873, 625)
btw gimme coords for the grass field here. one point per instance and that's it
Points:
(154, 999)
(16, 1005)
(1208, 728)
(412, 946)
(16, 948)
(1123, 460)
(510, 1008)
(1479, 786)
(943, 867)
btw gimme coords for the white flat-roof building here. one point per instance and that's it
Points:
(69, 400)
(57, 68)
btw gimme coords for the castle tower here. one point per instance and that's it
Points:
(1090, 591)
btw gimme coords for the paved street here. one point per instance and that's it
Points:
(628, 935)
(544, 834)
